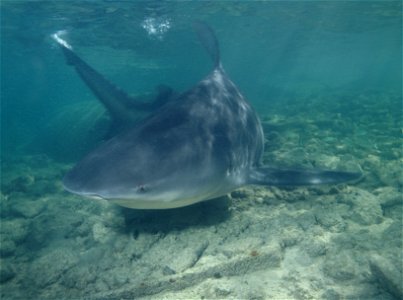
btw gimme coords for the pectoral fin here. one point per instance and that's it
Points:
(297, 177)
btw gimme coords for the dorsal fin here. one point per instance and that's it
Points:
(208, 39)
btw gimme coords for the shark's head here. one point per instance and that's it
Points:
(153, 193)
(153, 172)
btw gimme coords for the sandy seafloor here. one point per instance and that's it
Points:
(330, 242)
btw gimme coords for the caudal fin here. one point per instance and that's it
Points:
(122, 107)
(298, 177)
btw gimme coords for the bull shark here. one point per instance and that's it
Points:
(194, 146)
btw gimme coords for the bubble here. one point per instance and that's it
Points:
(156, 27)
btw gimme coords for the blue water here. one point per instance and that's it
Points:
(273, 51)
(325, 78)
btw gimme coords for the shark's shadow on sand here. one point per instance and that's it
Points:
(203, 214)
(194, 146)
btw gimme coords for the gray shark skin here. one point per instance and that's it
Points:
(201, 145)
